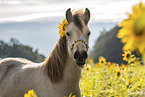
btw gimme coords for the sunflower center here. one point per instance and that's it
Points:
(87, 68)
(139, 26)
(102, 61)
(128, 55)
(64, 27)
(118, 74)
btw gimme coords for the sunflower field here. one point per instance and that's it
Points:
(106, 79)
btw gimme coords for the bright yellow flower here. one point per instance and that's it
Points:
(71, 95)
(62, 28)
(31, 93)
(90, 61)
(88, 67)
(122, 64)
(118, 73)
(109, 64)
(128, 82)
(122, 67)
(45, 59)
(96, 65)
(102, 61)
(132, 32)
(127, 55)
(114, 64)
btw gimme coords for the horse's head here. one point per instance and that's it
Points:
(77, 34)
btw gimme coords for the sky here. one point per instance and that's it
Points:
(34, 22)
(31, 10)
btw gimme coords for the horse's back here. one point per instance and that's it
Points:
(8, 63)
(14, 61)
(16, 75)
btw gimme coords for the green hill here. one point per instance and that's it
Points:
(108, 46)
(15, 49)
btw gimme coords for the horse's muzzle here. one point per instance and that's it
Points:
(80, 57)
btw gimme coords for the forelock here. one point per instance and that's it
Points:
(78, 20)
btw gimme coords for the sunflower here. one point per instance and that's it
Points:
(127, 55)
(71, 95)
(31, 93)
(90, 61)
(62, 28)
(122, 67)
(45, 59)
(102, 61)
(96, 65)
(88, 68)
(132, 32)
(109, 64)
(118, 73)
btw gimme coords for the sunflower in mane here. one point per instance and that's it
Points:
(62, 28)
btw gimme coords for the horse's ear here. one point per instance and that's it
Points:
(69, 16)
(86, 16)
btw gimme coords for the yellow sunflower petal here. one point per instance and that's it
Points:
(124, 39)
(123, 32)
(129, 23)
(128, 46)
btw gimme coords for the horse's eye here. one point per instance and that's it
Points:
(67, 33)
(89, 34)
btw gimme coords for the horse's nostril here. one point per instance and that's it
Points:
(80, 55)
(76, 55)
(84, 54)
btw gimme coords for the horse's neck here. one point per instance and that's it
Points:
(72, 73)
(70, 81)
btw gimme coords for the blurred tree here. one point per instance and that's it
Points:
(15, 49)
(108, 46)
(4, 48)
(13, 41)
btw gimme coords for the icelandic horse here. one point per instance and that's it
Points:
(59, 75)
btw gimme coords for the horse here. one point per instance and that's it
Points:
(60, 74)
